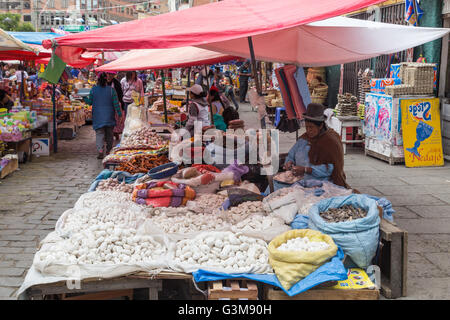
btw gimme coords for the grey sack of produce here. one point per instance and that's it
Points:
(358, 238)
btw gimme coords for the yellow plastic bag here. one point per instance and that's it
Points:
(292, 266)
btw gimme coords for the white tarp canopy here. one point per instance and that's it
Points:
(330, 42)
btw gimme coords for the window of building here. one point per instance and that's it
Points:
(26, 18)
(51, 3)
(128, 11)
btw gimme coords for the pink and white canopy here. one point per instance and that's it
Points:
(147, 59)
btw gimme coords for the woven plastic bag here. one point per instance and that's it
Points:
(292, 266)
(358, 238)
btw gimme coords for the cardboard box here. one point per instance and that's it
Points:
(379, 85)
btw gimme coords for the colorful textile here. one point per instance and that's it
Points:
(163, 194)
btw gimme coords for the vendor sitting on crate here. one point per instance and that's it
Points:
(318, 153)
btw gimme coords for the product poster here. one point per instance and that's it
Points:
(378, 114)
(422, 138)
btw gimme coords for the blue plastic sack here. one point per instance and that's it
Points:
(386, 205)
(333, 270)
(358, 238)
(300, 222)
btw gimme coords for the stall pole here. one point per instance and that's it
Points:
(210, 107)
(188, 85)
(255, 75)
(55, 133)
(417, 24)
(164, 95)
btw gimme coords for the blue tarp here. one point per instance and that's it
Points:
(330, 271)
(33, 37)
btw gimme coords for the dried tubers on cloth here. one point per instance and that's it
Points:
(112, 184)
(143, 137)
(344, 213)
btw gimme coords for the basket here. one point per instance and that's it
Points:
(318, 99)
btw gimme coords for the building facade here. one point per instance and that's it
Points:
(72, 15)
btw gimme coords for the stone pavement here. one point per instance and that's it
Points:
(33, 198)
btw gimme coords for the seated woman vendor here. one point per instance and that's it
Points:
(318, 154)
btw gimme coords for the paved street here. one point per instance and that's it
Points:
(33, 198)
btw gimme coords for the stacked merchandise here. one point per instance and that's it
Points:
(347, 105)
(417, 79)
(364, 78)
(317, 86)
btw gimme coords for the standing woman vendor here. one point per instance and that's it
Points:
(198, 108)
(318, 154)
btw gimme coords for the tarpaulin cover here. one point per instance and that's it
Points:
(9, 42)
(330, 271)
(219, 21)
(33, 37)
(330, 42)
(147, 59)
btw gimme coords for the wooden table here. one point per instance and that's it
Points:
(349, 122)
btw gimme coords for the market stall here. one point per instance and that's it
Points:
(235, 232)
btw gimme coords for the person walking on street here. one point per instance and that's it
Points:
(120, 121)
(129, 84)
(229, 89)
(105, 104)
(244, 75)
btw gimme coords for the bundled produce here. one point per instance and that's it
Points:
(303, 244)
(142, 163)
(143, 137)
(347, 105)
(344, 213)
(222, 251)
(114, 185)
(120, 156)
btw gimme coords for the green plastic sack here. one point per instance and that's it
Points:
(292, 266)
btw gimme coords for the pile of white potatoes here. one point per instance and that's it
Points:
(120, 211)
(303, 244)
(223, 250)
(114, 185)
(103, 244)
(189, 222)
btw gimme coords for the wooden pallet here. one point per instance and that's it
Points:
(393, 260)
(232, 290)
(391, 160)
(272, 293)
(105, 295)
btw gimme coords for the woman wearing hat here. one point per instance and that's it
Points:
(198, 109)
(318, 154)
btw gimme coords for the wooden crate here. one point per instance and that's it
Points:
(393, 260)
(391, 160)
(12, 166)
(273, 293)
(232, 289)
